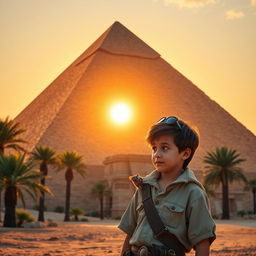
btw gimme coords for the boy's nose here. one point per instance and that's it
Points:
(157, 154)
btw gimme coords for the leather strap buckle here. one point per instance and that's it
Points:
(171, 252)
(143, 251)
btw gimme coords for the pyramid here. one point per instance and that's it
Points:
(72, 112)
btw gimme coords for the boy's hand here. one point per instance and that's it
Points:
(202, 248)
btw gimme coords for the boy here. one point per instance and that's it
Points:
(178, 197)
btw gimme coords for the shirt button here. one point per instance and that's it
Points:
(156, 202)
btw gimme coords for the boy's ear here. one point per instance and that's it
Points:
(186, 153)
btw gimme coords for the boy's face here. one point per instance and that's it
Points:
(165, 154)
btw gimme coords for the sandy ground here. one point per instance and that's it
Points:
(234, 238)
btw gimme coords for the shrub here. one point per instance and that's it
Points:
(76, 211)
(23, 216)
(214, 216)
(59, 209)
(241, 213)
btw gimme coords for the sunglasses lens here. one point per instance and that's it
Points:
(171, 120)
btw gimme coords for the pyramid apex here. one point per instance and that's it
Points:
(117, 23)
(118, 40)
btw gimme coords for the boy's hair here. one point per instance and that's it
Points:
(183, 135)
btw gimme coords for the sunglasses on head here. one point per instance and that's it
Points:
(171, 120)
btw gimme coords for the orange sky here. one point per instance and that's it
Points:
(211, 42)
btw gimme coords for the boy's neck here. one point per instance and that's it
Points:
(169, 177)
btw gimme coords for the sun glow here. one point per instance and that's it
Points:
(120, 113)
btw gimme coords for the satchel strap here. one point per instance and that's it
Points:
(161, 233)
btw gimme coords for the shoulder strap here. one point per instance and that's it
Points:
(161, 233)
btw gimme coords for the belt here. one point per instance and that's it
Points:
(152, 251)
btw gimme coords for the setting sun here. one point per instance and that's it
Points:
(120, 113)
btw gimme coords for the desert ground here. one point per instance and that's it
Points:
(102, 237)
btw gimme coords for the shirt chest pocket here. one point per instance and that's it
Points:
(173, 215)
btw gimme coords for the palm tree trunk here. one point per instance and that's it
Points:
(67, 206)
(44, 172)
(41, 204)
(101, 208)
(225, 200)
(10, 200)
(254, 201)
(69, 177)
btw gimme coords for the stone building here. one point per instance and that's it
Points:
(71, 114)
(117, 170)
(119, 167)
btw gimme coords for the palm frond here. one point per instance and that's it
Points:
(222, 166)
(99, 189)
(31, 193)
(44, 154)
(20, 196)
(250, 185)
(9, 134)
(236, 174)
(213, 177)
(72, 160)
(15, 171)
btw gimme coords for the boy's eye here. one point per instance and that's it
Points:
(165, 148)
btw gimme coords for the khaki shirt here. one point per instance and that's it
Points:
(183, 207)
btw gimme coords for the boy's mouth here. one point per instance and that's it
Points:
(159, 163)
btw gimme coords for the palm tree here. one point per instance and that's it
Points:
(222, 168)
(251, 185)
(9, 138)
(44, 156)
(70, 161)
(17, 175)
(99, 190)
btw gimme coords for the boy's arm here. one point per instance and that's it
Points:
(126, 245)
(202, 248)
(200, 228)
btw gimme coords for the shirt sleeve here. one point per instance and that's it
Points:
(201, 225)
(129, 219)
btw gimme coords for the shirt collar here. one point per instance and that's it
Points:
(186, 176)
